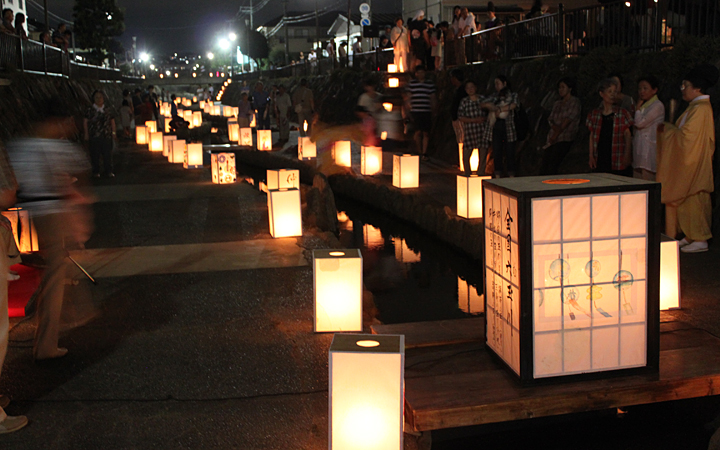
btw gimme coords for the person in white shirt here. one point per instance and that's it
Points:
(649, 113)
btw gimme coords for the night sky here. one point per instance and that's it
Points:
(166, 26)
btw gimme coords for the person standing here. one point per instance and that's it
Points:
(501, 127)
(260, 100)
(457, 25)
(7, 21)
(610, 144)
(244, 111)
(473, 117)
(419, 40)
(457, 80)
(650, 113)
(20, 26)
(282, 108)
(564, 122)
(685, 163)
(423, 102)
(100, 134)
(304, 105)
(401, 45)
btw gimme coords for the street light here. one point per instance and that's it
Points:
(210, 55)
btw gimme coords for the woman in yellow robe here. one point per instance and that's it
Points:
(685, 153)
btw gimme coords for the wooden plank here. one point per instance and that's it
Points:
(437, 333)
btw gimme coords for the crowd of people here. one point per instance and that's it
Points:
(15, 25)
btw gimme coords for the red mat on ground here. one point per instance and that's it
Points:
(20, 291)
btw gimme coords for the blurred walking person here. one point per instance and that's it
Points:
(304, 105)
(400, 41)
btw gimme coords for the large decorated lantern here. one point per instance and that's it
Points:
(572, 274)
(222, 166)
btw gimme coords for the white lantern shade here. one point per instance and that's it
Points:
(246, 139)
(167, 124)
(156, 142)
(151, 125)
(337, 286)
(306, 148)
(197, 118)
(166, 143)
(193, 156)
(23, 229)
(264, 140)
(222, 166)
(342, 153)
(371, 160)
(283, 179)
(177, 151)
(217, 110)
(233, 132)
(227, 111)
(366, 391)
(469, 196)
(392, 68)
(406, 171)
(141, 135)
(393, 82)
(284, 213)
(669, 273)
(469, 301)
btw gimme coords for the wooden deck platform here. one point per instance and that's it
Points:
(451, 380)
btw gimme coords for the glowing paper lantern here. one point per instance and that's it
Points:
(187, 116)
(151, 125)
(156, 142)
(23, 229)
(337, 285)
(246, 139)
(193, 158)
(283, 179)
(393, 82)
(217, 110)
(403, 253)
(264, 140)
(469, 196)
(306, 148)
(166, 143)
(233, 132)
(342, 154)
(388, 106)
(284, 213)
(141, 135)
(222, 166)
(383, 135)
(227, 111)
(406, 171)
(176, 154)
(669, 273)
(167, 124)
(194, 99)
(461, 157)
(366, 391)
(572, 274)
(197, 118)
(469, 301)
(235, 111)
(392, 68)
(371, 160)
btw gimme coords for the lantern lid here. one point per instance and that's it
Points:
(386, 343)
(560, 184)
(343, 253)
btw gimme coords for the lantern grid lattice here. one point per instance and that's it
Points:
(337, 287)
(222, 166)
(406, 171)
(284, 213)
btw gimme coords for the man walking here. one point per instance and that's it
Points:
(423, 102)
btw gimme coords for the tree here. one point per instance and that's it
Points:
(254, 45)
(97, 24)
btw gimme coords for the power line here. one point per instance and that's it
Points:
(54, 16)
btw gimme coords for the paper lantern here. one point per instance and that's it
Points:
(393, 82)
(283, 179)
(366, 389)
(197, 118)
(233, 132)
(337, 285)
(669, 273)
(166, 143)
(406, 171)
(235, 111)
(392, 68)
(388, 106)
(176, 154)
(194, 99)
(167, 124)
(383, 135)
(246, 139)
(186, 101)
(403, 253)
(572, 270)
(187, 116)
(227, 111)
(284, 213)
(23, 229)
(217, 110)
(253, 123)
(222, 166)
(342, 154)
(371, 160)
(193, 158)
(156, 142)
(264, 140)
(151, 125)
(306, 148)
(469, 196)
(469, 301)
(141, 135)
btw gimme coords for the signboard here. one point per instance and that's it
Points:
(364, 8)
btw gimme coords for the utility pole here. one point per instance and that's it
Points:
(317, 24)
(285, 25)
(251, 14)
(47, 21)
(348, 46)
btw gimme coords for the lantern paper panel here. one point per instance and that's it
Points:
(284, 213)
(193, 156)
(166, 144)
(246, 139)
(141, 135)
(337, 286)
(23, 229)
(342, 153)
(469, 300)
(393, 82)
(283, 179)
(151, 125)
(392, 68)
(371, 160)
(576, 293)
(217, 110)
(403, 253)
(669, 273)
(167, 121)
(460, 157)
(233, 132)
(176, 154)
(469, 196)
(197, 118)
(306, 148)
(406, 169)
(264, 140)
(222, 166)
(366, 388)
(156, 142)
(227, 111)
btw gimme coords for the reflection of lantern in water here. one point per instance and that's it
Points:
(392, 68)
(342, 154)
(283, 179)
(166, 143)
(406, 171)
(469, 196)
(366, 391)
(23, 229)
(222, 166)
(264, 140)
(403, 253)
(284, 213)
(177, 151)
(393, 82)
(370, 160)
(337, 285)
(156, 142)
(193, 156)
(469, 301)
(372, 237)
(669, 273)
(246, 139)
(141, 135)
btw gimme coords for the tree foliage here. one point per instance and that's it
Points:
(253, 44)
(97, 24)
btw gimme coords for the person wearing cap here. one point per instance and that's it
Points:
(685, 155)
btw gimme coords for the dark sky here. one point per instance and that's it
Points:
(166, 26)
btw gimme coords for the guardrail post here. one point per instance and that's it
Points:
(506, 42)
(21, 59)
(44, 53)
(561, 29)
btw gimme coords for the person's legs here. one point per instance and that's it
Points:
(554, 156)
(498, 145)
(510, 157)
(694, 216)
(94, 145)
(284, 128)
(107, 149)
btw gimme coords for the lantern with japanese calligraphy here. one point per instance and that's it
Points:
(366, 390)
(337, 285)
(283, 179)
(342, 154)
(193, 156)
(406, 171)
(176, 154)
(141, 135)
(370, 160)
(284, 213)
(166, 143)
(23, 229)
(572, 275)
(469, 196)
(264, 140)
(669, 273)
(222, 166)
(246, 139)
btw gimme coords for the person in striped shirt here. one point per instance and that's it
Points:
(423, 103)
